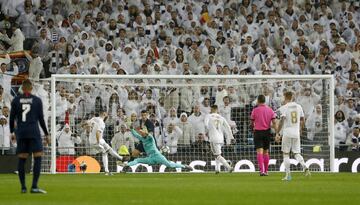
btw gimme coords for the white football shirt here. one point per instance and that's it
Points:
(292, 112)
(97, 124)
(217, 125)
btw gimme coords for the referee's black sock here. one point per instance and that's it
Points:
(21, 170)
(36, 172)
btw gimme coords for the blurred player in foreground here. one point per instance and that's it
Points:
(25, 116)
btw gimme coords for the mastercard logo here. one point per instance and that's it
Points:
(72, 164)
(92, 165)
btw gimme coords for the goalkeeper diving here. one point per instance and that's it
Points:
(153, 154)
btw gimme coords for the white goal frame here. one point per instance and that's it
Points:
(60, 77)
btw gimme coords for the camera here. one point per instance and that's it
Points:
(338, 68)
(162, 9)
(327, 72)
(147, 32)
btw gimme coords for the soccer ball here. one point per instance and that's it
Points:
(165, 150)
(83, 167)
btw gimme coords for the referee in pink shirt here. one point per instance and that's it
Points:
(262, 117)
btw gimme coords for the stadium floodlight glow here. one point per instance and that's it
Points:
(317, 146)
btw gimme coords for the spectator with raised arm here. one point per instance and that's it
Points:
(67, 141)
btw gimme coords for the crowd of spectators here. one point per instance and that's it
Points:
(183, 37)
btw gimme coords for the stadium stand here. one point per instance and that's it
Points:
(181, 37)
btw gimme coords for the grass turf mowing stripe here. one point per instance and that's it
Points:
(173, 189)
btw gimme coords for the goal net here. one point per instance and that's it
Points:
(176, 107)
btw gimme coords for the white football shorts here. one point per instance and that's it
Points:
(290, 144)
(103, 147)
(216, 148)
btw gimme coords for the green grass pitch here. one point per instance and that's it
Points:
(173, 189)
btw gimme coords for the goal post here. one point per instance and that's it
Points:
(167, 91)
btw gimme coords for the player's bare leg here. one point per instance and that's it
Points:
(36, 174)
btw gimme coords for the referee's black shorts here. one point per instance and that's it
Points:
(262, 139)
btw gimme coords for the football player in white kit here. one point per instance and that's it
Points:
(292, 123)
(97, 141)
(217, 127)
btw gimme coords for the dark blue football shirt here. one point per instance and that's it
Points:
(27, 112)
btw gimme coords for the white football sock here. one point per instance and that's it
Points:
(287, 164)
(223, 161)
(114, 154)
(217, 165)
(105, 162)
(300, 159)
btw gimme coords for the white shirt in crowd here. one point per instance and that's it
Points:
(4, 134)
(197, 120)
(122, 138)
(66, 141)
(171, 137)
(187, 136)
(340, 133)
